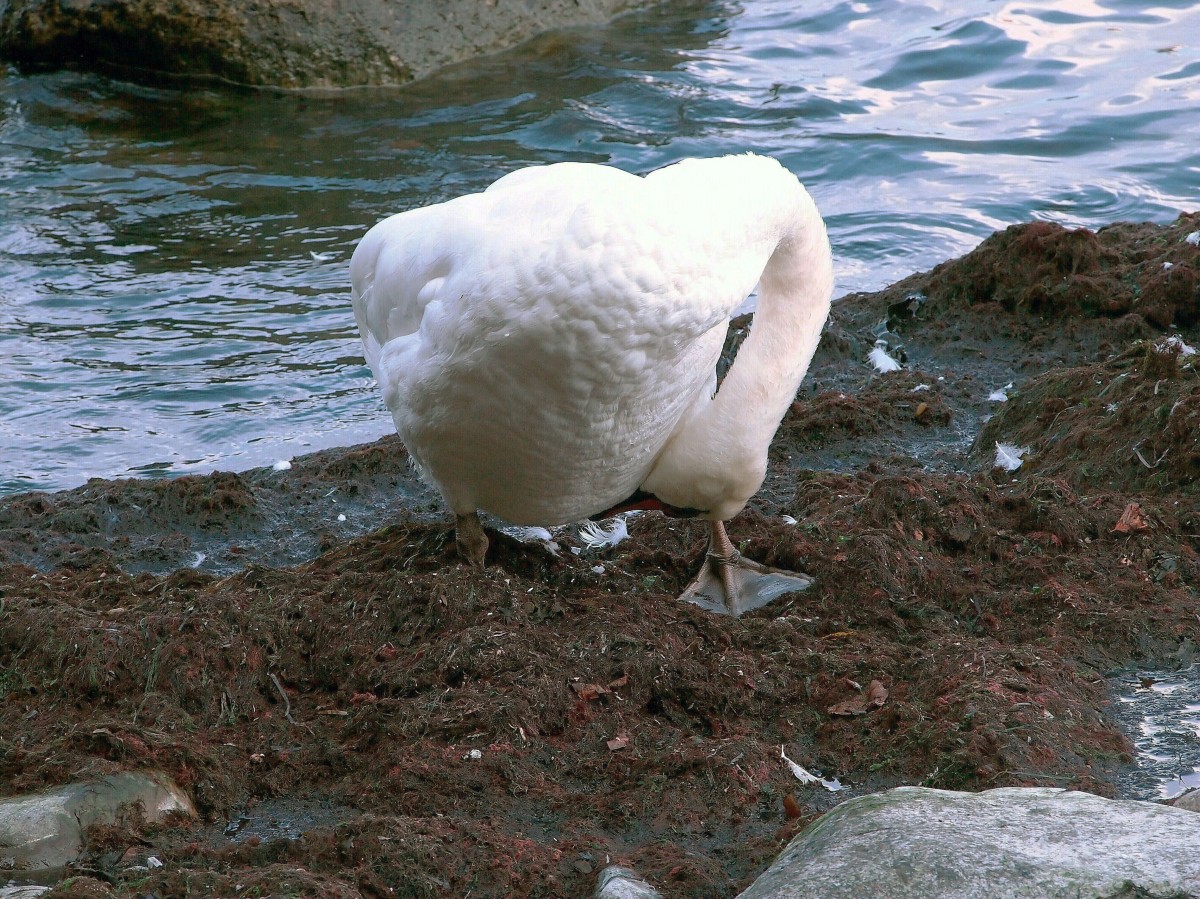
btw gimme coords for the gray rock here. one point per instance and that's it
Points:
(1013, 843)
(617, 882)
(46, 830)
(1189, 801)
(280, 43)
(22, 892)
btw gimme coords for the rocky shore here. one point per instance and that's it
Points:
(353, 713)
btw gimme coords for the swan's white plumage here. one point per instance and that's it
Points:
(548, 346)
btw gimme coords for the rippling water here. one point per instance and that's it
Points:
(1161, 713)
(173, 287)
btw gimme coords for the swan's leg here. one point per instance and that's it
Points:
(470, 540)
(730, 584)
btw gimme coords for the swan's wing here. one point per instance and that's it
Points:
(395, 271)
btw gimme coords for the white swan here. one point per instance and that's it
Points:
(547, 348)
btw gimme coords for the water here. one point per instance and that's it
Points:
(1160, 710)
(278, 819)
(173, 287)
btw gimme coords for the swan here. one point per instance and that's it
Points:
(547, 347)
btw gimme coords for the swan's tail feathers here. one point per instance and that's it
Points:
(373, 352)
(372, 349)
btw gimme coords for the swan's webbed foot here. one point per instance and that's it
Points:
(730, 584)
(470, 540)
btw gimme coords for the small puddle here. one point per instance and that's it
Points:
(1160, 711)
(281, 819)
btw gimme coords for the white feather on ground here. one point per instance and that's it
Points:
(1175, 342)
(528, 535)
(594, 535)
(807, 777)
(1000, 395)
(883, 363)
(533, 535)
(1009, 457)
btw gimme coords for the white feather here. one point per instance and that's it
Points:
(533, 535)
(807, 777)
(1000, 395)
(1176, 343)
(528, 534)
(1010, 457)
(593, 535)
(879, 358)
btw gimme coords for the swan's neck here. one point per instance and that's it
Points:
(717, 459)
(794, 297)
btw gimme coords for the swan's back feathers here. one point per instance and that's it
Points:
(402, 263)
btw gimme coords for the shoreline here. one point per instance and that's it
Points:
(461, 724)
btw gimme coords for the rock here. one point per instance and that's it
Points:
(617, 882)
(1189, 801)
(1010, 843)
(279, 43)
(46, 830)
(22, 892)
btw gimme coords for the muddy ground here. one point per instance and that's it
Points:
(357, 714)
